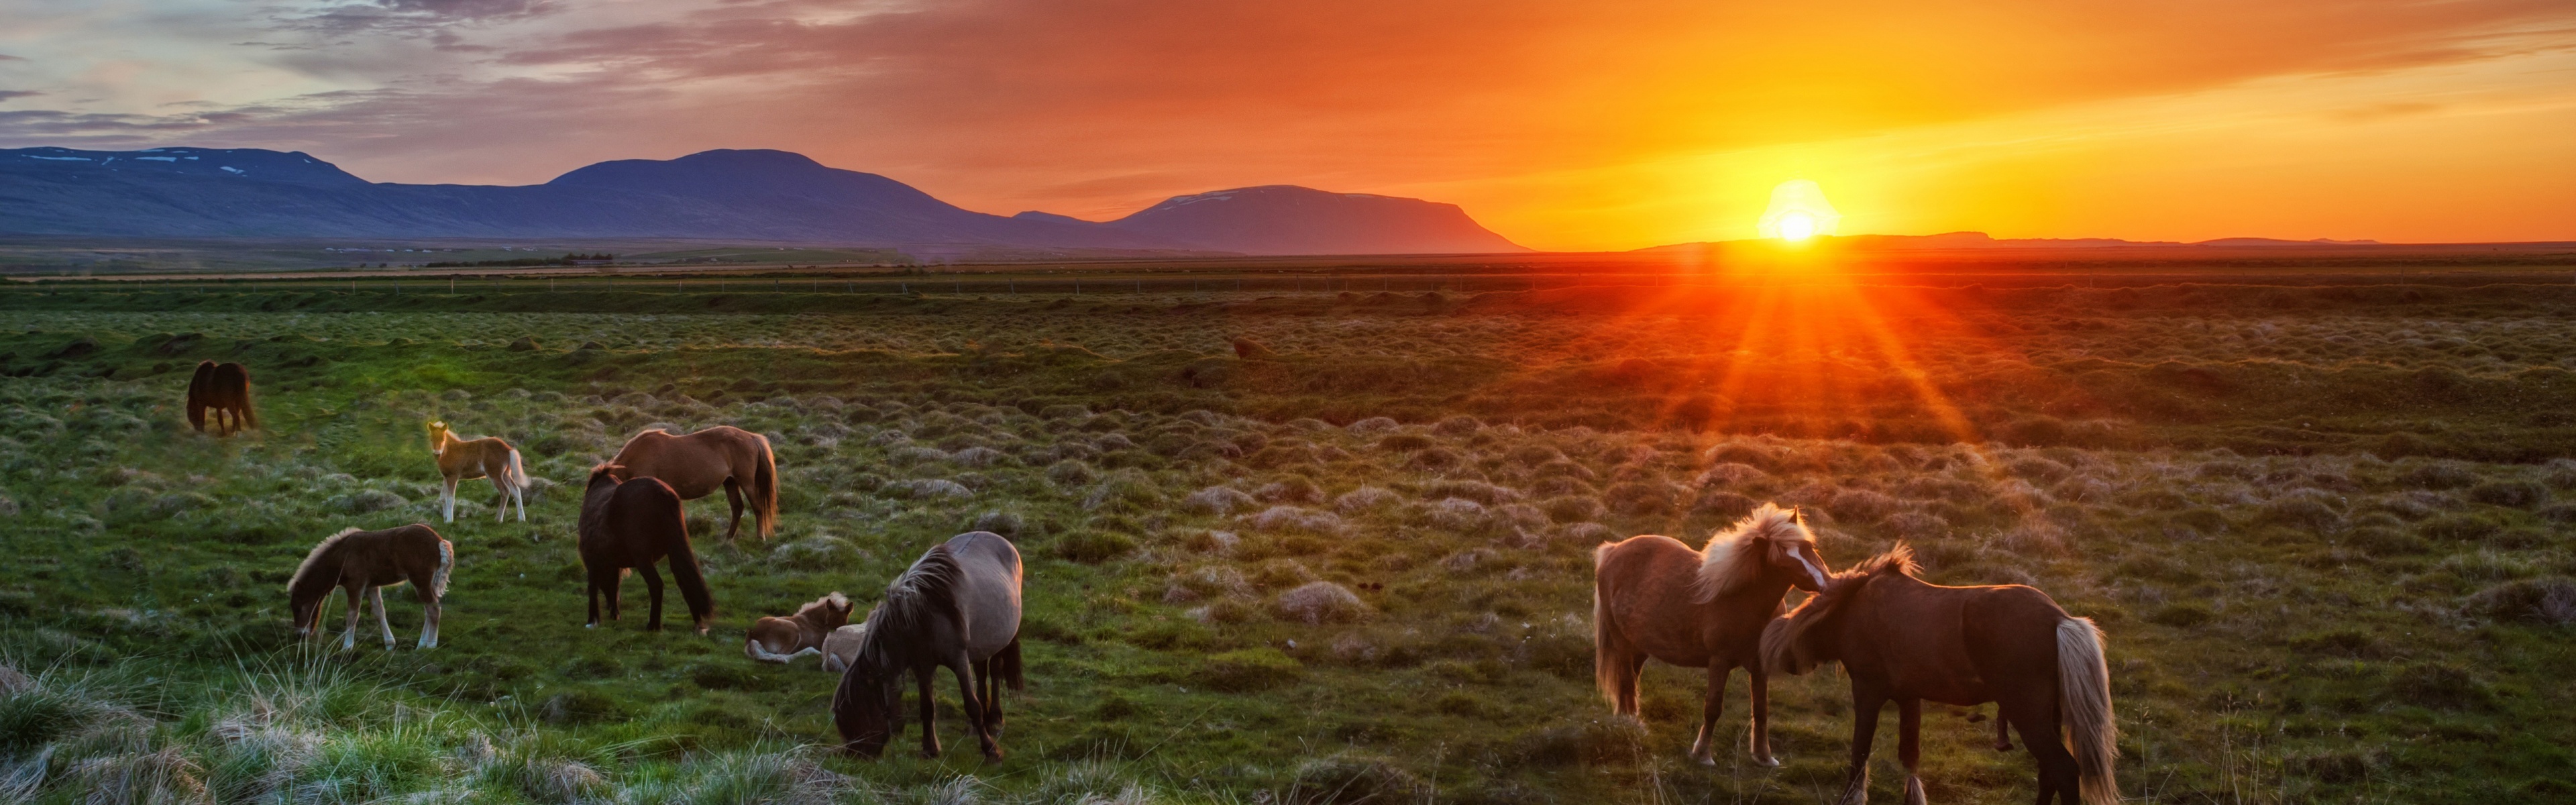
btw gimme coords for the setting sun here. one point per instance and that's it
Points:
(1799, 211)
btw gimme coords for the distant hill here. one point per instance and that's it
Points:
(724, 194)
(1285, 219)
(1981, 240)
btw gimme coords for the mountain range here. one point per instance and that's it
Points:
(719, 195)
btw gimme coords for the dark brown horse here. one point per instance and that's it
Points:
(224, 390)
(1653, 597)
(365, 562)
(782, 639)
(633, 524)
(695, 465)
(958, 607)
(1901, 639)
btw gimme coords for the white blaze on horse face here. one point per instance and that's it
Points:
(1813, 572)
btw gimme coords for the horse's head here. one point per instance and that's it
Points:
(1792, 552)
(438, 436)
(307, 608)
(868, 708)
(607, 474)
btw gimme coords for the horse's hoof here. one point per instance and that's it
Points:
(1766, 761)
(1705, 760)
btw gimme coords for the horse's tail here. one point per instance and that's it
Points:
(1612, 667)
(2084, 693)
(764, 489)
(249, 413)
(516, 473)
(1007, 666)
(684, 568)
(446, 563)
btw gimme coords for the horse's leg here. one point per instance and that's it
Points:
(611, 579)
(653, 584)
(349, 636)
(448, 498)
(1635, 668)
(2034, 713)
(1709, 711)
(733, 497)
(1866, 702)
(967, 682)
(986, 673)
(929, 714)
(597, 586)
(376, 595)
(2003, 732)
(429, 616)
(1909, 746)
(1761, 693)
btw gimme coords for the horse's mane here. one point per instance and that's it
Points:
(833, 599)
(1784, 644)
(1725, 565)
(928, 587)
(313, 561)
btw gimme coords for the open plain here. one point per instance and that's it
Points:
(1311, 532)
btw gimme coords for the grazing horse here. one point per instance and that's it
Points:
(958, 606)
(223, 389)
(842, 646)
(488, 457)
(366, 562)
(633, 524)
(1901, 639)
(724, 456)
(1653, 597)
(781, 639)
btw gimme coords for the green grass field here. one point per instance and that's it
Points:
(2325, 526)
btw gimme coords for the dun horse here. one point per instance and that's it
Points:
(724, 456)
(842, 646)
(1653, 597)
(631, 524)
(488, 457)
(358, 562)
(782, 639)
(957, 607)
(223, 390)
(1901, 639)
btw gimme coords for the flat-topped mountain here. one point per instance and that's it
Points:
(723, 194)
(1286, 219)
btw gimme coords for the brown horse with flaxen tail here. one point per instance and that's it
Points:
(695, 465)
(1653, 597)
(221, 390)
(1904, 640)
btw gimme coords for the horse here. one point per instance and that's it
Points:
(779, 640)
(958, 606)
(488, 457)
(1653, 597)
(633, 524)
(842, 646)
(357, 561)
(694, 465)
(1899, 638)
(223, 389)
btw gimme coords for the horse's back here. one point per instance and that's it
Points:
(2011, 633)
(988, 589)
(633, 523)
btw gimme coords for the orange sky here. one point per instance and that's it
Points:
(1560, 125)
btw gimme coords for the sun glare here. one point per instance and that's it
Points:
(1799, 211)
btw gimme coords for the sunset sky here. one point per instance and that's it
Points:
(1561, 125)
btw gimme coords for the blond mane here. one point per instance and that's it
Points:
(1725, 565)
(319, 549)
(833, 599)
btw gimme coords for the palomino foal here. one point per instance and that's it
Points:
(488, 457)
(357, 561)
(779, 640)
(1655, 598)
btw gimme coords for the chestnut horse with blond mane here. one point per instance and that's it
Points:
(1904, 640)
(780, 639)
(1653, 597)
(487, 457)
(737, 460)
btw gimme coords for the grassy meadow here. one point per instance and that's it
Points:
(2325, 526)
